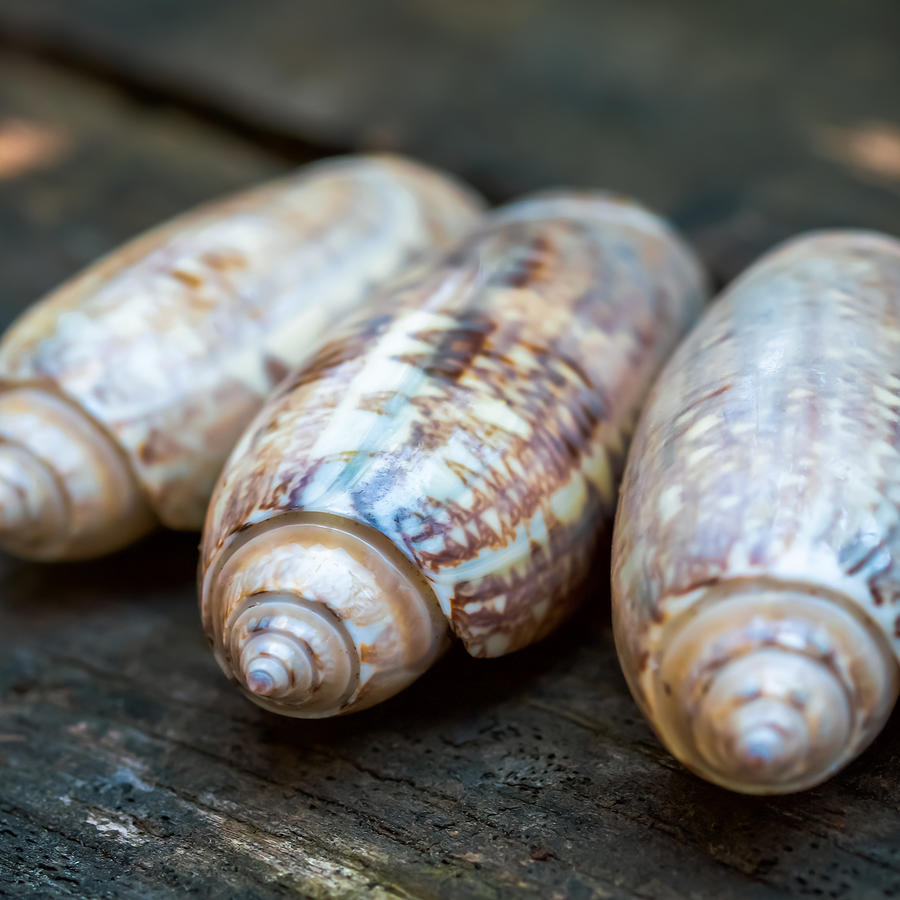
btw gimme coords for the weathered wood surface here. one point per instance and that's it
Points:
(96, 169)
(128, 766)
(747, 121)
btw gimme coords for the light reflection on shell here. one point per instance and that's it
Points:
(754, 587)
(477, 420)
(169, 345)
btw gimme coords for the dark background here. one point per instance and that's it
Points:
(128, 766)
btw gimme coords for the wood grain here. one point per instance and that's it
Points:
(124, 748)
(128, 766)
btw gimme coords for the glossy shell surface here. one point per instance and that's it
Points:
(479, 421)
(764, 479)
(171, 343)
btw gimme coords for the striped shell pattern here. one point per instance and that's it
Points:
(477, 419)
(754, 580)
(170, 344)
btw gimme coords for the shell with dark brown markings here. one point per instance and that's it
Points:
(449, 459)
(754, 585)
(122, 393)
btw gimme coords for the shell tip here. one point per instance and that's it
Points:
(260, 682)
(771, 691)
(265, 674)
(766, 749)
(275, 666)
(774, 721)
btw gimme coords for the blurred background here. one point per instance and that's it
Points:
(128, 766)
(746, 122)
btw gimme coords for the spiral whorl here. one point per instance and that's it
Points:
(315, 615)
(771, 691)
(772, 716)
(32, 510)
(66, 491)
(292, 653)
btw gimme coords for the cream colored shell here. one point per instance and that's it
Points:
(476, 424)
(169, 345)
(754, 586)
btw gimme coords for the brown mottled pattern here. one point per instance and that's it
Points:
(481, 424)
(172, 342)
(769, 447)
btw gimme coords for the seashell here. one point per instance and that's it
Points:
(446, 462)
(122, 392)
(754, 591)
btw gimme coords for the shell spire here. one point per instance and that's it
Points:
(753, 559)
(138, 376)
(66, 490)
(313, 610)
(771, 689)
(460, 445)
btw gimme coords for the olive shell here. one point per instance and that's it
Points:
(171, 342)
(479, 420)
(766, 469)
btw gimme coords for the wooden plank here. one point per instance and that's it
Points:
(129, 767)
(746, 121)
(124, 751)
